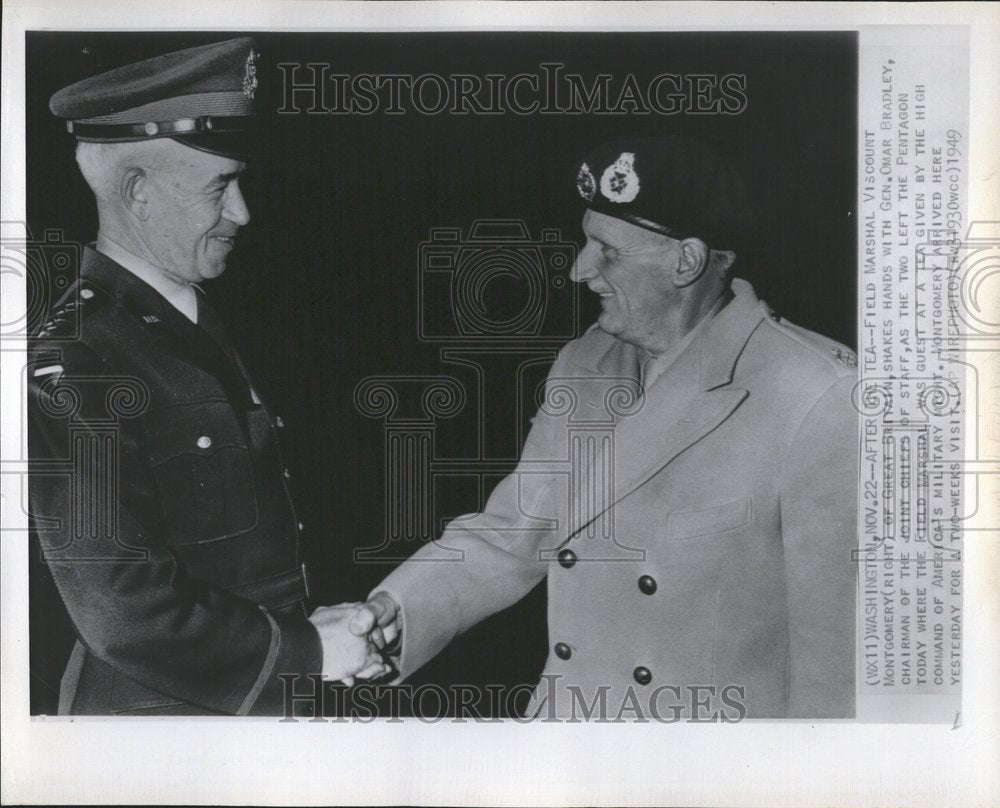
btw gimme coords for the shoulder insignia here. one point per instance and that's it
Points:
(63, 321)
(48, 370)
(835, 354)
(845, 357)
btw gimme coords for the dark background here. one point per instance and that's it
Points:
(322, 290)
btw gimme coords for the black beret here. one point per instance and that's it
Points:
(202, 97)
(670, 185)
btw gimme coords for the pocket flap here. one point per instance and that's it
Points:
(200, 429)
(719, 518)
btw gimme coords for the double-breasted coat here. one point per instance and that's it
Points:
(697, 538)
(160, 499)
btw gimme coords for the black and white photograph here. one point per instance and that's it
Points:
(386, 376)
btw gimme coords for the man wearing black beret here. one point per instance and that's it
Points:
(173, 540)
(689, 486)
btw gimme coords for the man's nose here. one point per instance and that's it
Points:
(235, 208)
(583, 266)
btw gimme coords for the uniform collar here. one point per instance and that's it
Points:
(179, 295)
(718, 340)
(128, 290)
(162, 324)
(727, 333)
(658, 363)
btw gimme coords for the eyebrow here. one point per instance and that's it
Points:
(232, 175)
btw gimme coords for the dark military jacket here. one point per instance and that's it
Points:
(160, 499)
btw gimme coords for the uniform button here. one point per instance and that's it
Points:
(288, 474)
(567, 558)
(642, 675)
(86, 294)
(301, 525)
(563, 651)
(647, 584)
(204, 442)
(279, 423)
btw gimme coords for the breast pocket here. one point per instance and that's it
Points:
(708, 521)
(203, 467)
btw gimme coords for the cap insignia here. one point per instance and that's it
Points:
(250, 76)
(585, 183)
(620, 183)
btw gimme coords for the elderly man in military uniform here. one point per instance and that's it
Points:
(172, 539)
(726, 588)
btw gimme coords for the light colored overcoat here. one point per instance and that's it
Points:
(697, 537)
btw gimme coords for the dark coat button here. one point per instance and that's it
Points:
(647, 584)
(642, 675)
(567, 558)
(563, 651)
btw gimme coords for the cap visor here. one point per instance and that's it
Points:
(236, 145)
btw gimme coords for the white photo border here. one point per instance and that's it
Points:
(263, 761)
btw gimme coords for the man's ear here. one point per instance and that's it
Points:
(693, 261)
(134, 193)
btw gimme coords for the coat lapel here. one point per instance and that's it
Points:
(164, 326)
(636, 439)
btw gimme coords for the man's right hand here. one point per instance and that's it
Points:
(377, 619)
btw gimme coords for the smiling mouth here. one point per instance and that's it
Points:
(228, 240)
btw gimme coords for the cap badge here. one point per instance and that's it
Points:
(620, 183)
(585, 182)
(250, 76)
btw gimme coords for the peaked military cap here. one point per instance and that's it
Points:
(202, 97)
(669, 185)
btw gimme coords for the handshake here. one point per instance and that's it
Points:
(357, 638)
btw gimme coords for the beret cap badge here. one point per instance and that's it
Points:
(671, 185)
(620, 182)
(585, 183)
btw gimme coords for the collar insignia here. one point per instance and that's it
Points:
(250, 76)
